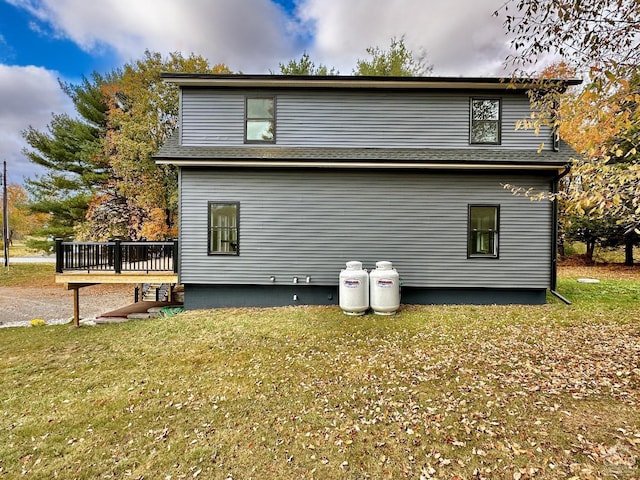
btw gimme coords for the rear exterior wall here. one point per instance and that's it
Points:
(356, 119)
(309, 223)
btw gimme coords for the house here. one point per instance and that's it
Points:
(283, 179)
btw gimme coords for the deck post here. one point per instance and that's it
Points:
(76, 307)
(59, 256)
(117, 255)
(175, 255)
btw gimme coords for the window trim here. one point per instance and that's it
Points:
(498, 121)
(210, 228)
(272, 119)
(496, 232)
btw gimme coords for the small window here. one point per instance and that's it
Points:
(485, 121)
(223, 228)
(260, 120)
(483, 231)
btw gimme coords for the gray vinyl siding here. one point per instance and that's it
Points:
(302, 224)
(353, 119)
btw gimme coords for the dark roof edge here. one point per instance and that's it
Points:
(339, 81)
(362, 164)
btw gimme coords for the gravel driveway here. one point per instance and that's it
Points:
(20, 305)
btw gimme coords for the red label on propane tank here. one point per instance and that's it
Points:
(352, 283)
(385, 282)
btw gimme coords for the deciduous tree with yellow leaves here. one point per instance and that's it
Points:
(600, 41)
(140, 200)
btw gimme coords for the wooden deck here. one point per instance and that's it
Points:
(77, 280)
(101, 276)
(82, 264)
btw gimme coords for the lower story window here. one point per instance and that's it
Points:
(223, 228)
(483, 231)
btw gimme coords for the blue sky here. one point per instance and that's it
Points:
(28, 42)
(44, 41)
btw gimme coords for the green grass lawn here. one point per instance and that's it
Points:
(27, 275)
(451, 392)
(21, 250)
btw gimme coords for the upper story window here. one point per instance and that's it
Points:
(483, 231)
(485, 121)
(223, 228)
(260, 120)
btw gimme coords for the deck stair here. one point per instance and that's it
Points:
(155, 292)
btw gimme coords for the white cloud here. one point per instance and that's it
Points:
(461, 37)
(246, 34)
(29, 96)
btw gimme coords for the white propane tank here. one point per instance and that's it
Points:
(354, 289)
(385, 289)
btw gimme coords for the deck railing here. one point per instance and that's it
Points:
(116, 256)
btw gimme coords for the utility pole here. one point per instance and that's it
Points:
(5, 216)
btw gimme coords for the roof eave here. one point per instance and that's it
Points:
(258, 163)
(359, 82)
